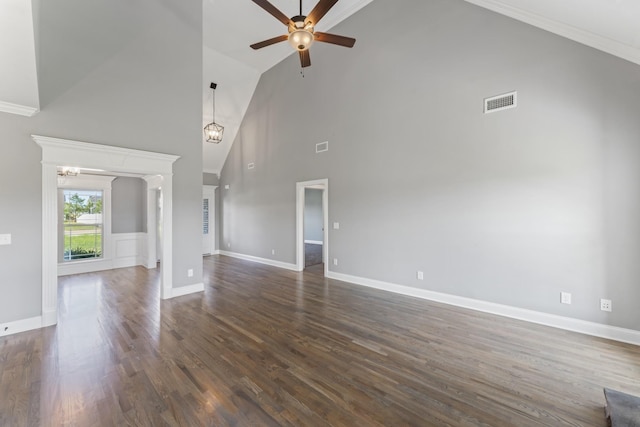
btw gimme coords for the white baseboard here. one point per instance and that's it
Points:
(266, 261)
(576, 325)
(314, 242)
(186, 290)
(18, 326)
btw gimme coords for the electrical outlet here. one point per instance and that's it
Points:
(565, 297)
(5, 239)
(335, 261)
(605, 304)
(273, 251)
(420, 275)
(229, 245)
(190, 272)
(336, 225)
(226, 187)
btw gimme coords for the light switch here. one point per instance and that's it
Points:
(5, 239)
(336, 225)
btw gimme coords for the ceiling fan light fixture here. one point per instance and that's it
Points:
(301, 39)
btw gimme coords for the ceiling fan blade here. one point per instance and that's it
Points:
(319, 11)
(274, 11)
(269, 42)
(334, 39)
(305, 59)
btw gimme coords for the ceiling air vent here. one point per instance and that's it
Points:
(501, 102)
(322, 146)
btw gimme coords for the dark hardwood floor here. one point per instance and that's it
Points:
(312, 254)
(263, 346)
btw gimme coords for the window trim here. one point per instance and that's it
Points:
(91, 182)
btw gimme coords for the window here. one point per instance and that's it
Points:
(83, 224)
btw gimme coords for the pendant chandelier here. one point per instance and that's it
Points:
(213, 131)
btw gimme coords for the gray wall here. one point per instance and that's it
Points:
(313, 215)
(210, 179)
(131, 78)
(511, 207)
(128, 205)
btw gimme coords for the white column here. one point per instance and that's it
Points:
(167, 236)
(49, 245)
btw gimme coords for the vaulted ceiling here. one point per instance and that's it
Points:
(230, 26)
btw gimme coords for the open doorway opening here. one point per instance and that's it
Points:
(78, 154)
(312, 235)
(208, 219)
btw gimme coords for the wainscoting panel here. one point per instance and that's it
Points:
(129, 249)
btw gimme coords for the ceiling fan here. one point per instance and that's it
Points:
(301, 29)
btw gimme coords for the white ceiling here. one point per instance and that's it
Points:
(230, 26)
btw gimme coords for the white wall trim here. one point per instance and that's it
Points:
(154, 184)
(86, 266)
(576, 325)
(300, 186)
(186, 290)
(62, 152)
(91, 182)
(18, 326)
(266, 261)
(619, 49)
(22, 110)
(313, 242)
(129, 249)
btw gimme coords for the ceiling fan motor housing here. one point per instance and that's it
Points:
(300, 35)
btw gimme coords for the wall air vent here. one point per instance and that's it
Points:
(501, 102)
(322, 146)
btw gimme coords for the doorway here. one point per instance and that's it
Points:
(208, 219)
(56, 152)
(312, 231)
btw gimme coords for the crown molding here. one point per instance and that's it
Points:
(613, 47)
(22, 110)
(59, 151)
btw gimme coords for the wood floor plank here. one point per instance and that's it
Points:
(264, 346)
